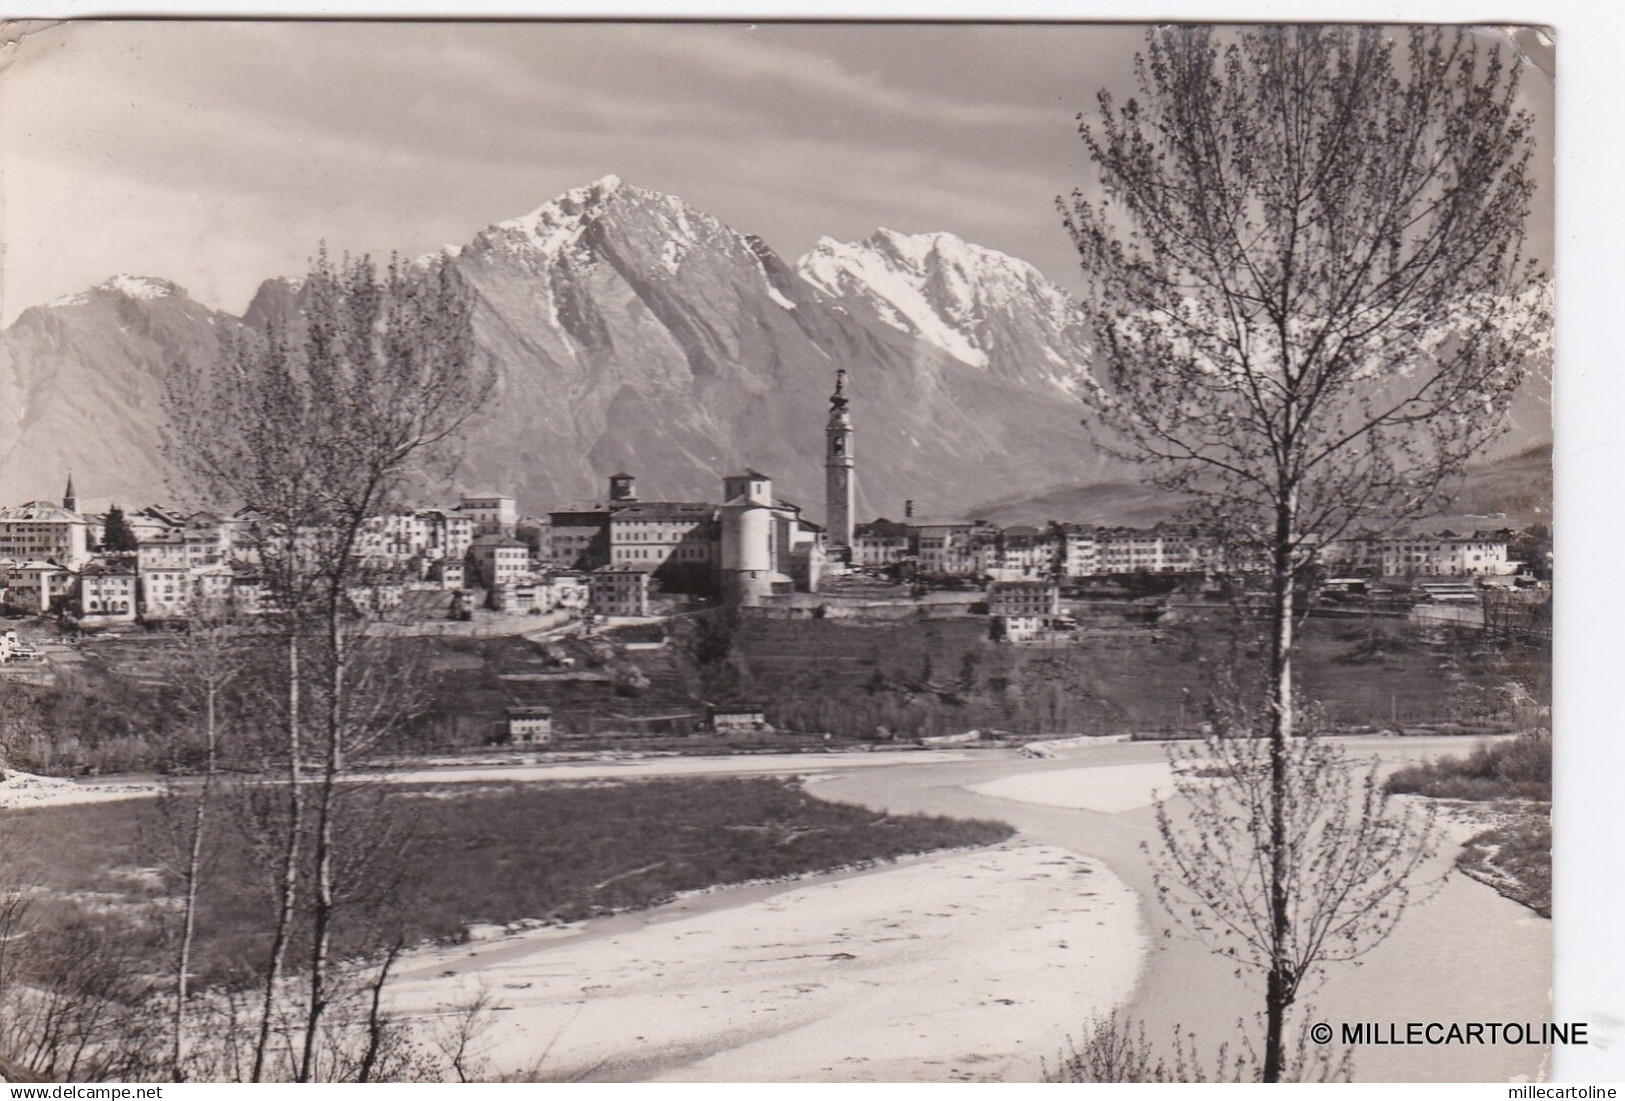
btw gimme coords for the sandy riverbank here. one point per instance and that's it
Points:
(959, 966)
(1104, 789)
(20, 790)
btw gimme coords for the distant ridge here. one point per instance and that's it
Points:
(1515, 490)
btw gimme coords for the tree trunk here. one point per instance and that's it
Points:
(1278, 993)
(375, 1017)
(322, 901)
(194, 863)
(290, 862)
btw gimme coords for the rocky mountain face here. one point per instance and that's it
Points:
(81, 388)
(628, 330)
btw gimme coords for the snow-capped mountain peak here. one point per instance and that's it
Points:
(551, 231)
(554, 226)
(628, 329)
(963, 298)
(142, 287)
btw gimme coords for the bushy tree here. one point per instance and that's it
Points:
(313, 428)
(117, 535)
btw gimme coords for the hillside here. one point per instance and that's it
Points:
(1131, 504)
(1515, 490)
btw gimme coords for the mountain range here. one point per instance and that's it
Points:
(628, 330)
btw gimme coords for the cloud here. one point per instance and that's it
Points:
(219, 153)
(734, 56)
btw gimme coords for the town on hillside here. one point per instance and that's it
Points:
(620, 567)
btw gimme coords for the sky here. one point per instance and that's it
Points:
(219, 154)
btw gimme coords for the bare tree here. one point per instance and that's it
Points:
(1352, 856)
(1114, 1050)
(206, 660)
(241, 436)
(1304, 267)
(314, 430)
(460, 1035)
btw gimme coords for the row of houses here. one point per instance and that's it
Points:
(53, 558)
(978, 549)
(607, 557)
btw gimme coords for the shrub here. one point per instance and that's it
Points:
(1519, 768)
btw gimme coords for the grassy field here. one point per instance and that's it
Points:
(934, 677)
(849, 679)
(452, 856)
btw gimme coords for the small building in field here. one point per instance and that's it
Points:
(529, 726)
(1024, 598)
(739, 718)
(1021, 610)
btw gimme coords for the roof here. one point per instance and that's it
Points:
(37, 565)
(100, 567)
(719, 708)
(41, 511)
(498, 541)
(884, 528)
(536, 712)
(167, 515)
(750, 472)
(933, 523)
(578, 507)
(662, 510)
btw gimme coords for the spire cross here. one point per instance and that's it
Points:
(837, 400)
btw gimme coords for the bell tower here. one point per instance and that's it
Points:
(840, 476)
